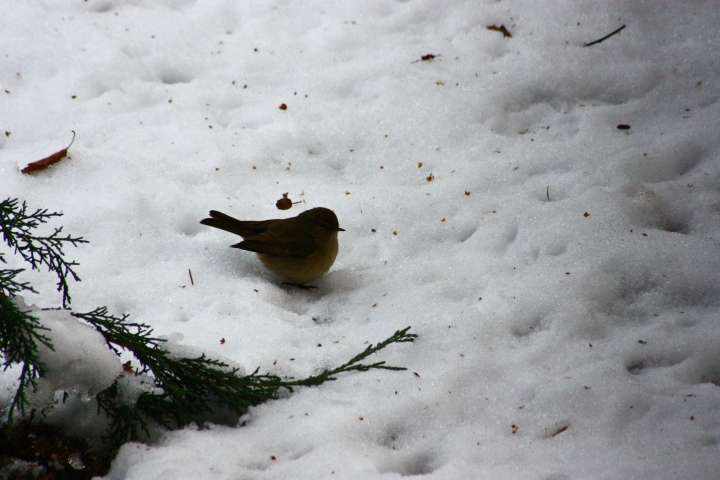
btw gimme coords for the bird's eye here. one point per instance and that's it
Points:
(327, 226)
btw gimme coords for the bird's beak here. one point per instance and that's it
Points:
(340, 229)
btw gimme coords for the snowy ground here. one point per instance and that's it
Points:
(562, 274)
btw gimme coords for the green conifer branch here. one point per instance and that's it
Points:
(190, 389)
(126, 420)
(20, 335)
(9, 287)
(400, 336)
(21, 332)
(17, 224)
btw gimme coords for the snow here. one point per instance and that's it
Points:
(562, 274)
(91, 362)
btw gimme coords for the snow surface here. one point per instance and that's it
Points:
(562, 274)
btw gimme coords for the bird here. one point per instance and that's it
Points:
(299, 249)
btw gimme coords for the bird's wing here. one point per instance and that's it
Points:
(288, 246)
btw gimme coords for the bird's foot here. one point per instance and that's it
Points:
(302, 287)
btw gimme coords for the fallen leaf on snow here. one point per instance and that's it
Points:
(46, 162)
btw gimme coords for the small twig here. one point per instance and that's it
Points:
(501, 29)
(547, 192)
(191, 279)
(604, 38)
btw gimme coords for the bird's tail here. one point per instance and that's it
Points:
(244, 228)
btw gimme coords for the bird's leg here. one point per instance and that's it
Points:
(302, 287)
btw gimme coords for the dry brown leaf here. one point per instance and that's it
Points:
(47, 161)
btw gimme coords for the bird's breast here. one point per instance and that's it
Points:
(303, 269)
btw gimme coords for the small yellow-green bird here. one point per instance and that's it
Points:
(300, 249)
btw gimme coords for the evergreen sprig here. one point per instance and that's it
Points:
(400, 336)
(20, 335)
(9, 287)
(122, 335)
(17, 225)
(21, 332)
(190, 389)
